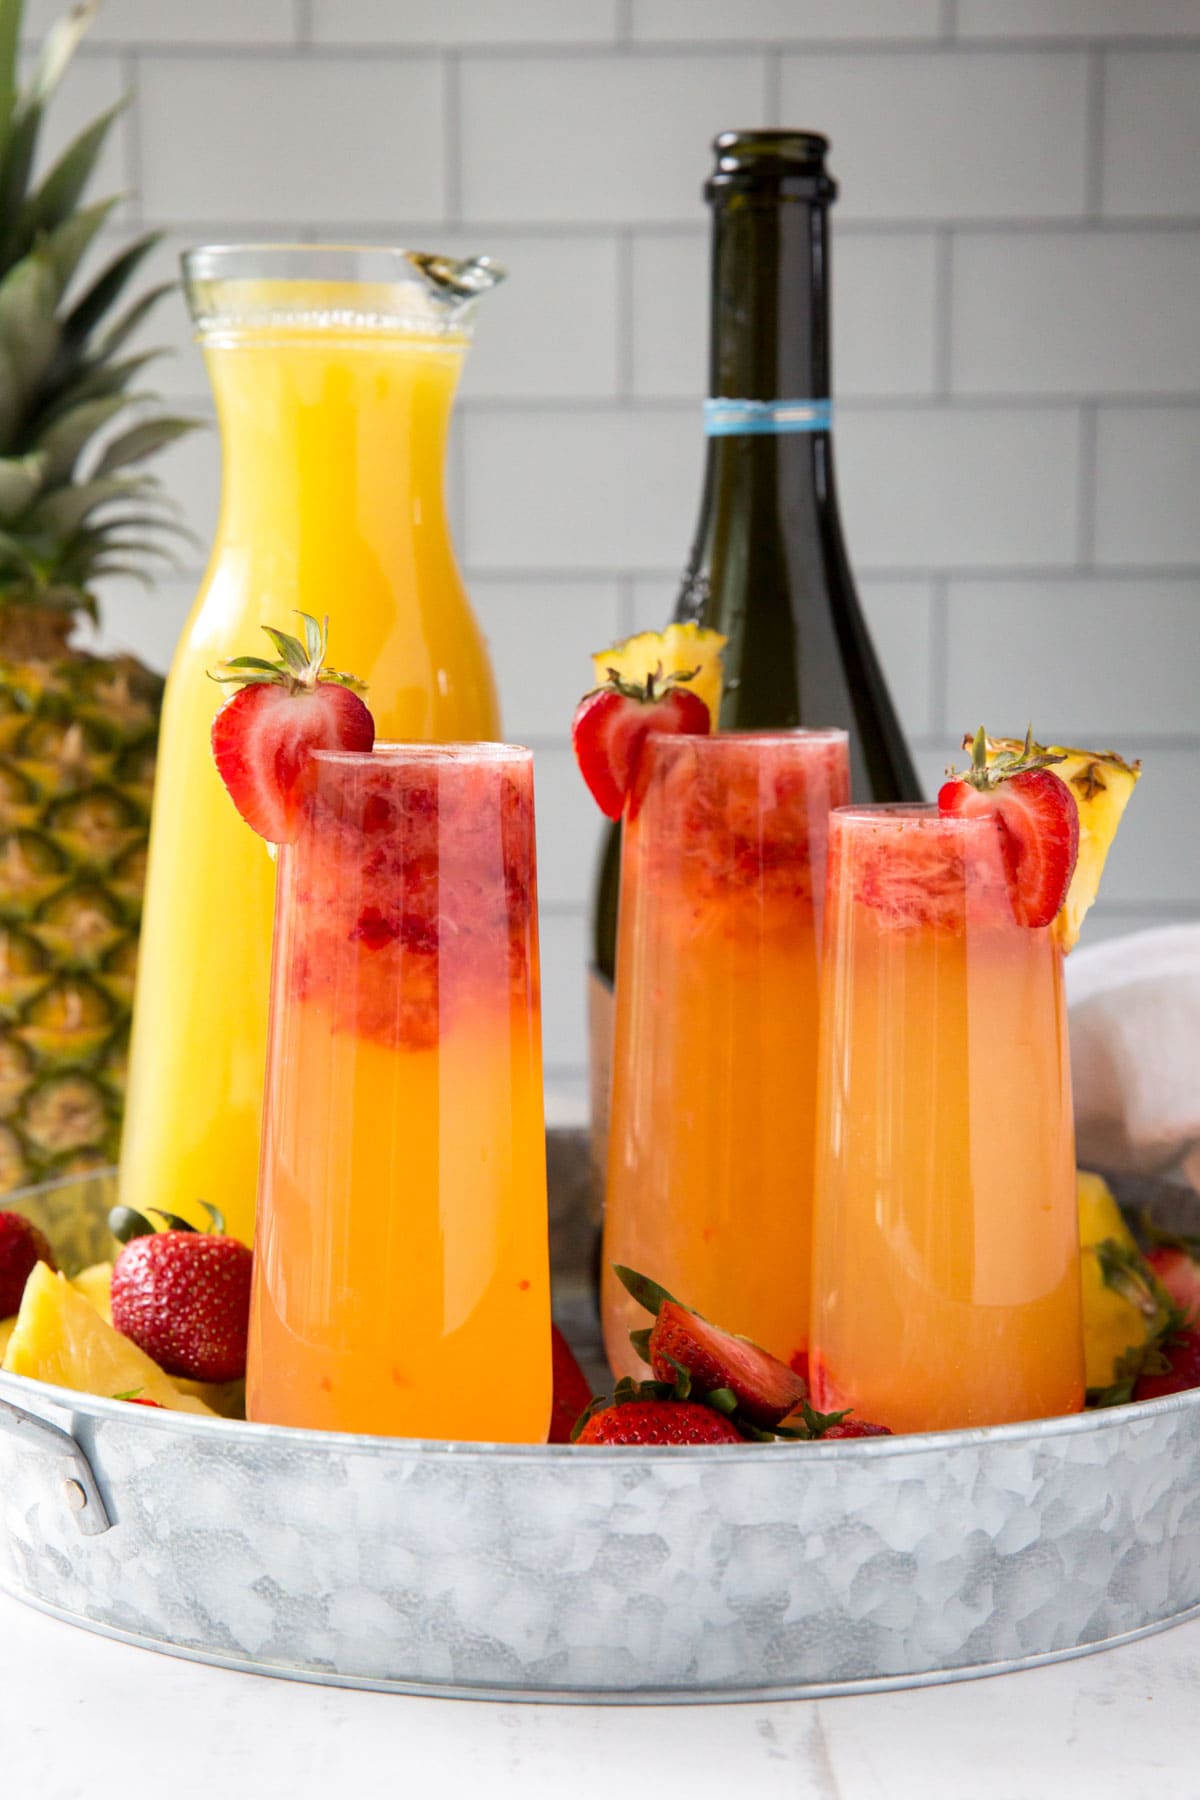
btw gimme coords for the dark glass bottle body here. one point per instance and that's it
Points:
(768, 566)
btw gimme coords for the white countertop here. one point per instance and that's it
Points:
(82, 1718)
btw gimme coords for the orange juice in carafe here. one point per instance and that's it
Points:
(334, 373)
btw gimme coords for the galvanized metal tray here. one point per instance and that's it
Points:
(534, 1573)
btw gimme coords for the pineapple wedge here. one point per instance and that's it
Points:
(225, 1397)
(675, 650)
(61, 1338)
(1111, 1324)
(1101, 782)
(7, 1327)
(95, 1284)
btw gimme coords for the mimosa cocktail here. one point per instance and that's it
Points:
(946, 1256)
(334, 398)
(714, 1079)
(401, 1271)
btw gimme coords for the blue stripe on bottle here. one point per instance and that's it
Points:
(747, 418)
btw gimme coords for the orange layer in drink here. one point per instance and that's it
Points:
(714, 1079)
(946, 1261)
(401, 1271)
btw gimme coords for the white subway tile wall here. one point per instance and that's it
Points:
(1016, 280)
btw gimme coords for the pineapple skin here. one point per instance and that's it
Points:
(77, 743)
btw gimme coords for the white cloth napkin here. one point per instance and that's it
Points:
(1135, 1052)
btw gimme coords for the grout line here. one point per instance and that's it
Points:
(1086, 517)
(857, 405)
(585, 229)
(130, 73)
(1093, 195)
(452, 139)
(773, 97)
(684, 50)
(626, 621)
(943, 313)
(625, 322)
(939, 654)
(551, 575)
(1155, 909)
(302, 14)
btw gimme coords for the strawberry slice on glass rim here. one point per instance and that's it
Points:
(264, 735)
(612, 723)
(1036, 816)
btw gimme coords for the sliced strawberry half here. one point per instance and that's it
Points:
(1037, 818)
(263, 738)
(766, 1388)
(714, 1360)
(612, 723)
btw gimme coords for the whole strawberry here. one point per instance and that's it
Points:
(855, 1428)
(572, 1389)
(1180, 1353)
(182, 1296)
(659, 1422)
(21, 1247)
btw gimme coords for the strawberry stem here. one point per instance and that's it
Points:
(987, 776)
(126, 1224)
(300, 667)
(646, 1292)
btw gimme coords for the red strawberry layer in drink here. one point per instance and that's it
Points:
(748, 814)
(413, 889)
(916, 869)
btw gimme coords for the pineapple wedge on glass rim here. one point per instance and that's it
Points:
(687, 649)
(77, 731)
(1102, 783)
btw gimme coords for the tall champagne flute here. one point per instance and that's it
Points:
(401, 1242)
(946, 1250)
(710, 1154)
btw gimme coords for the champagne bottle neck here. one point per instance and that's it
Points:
(770, 311)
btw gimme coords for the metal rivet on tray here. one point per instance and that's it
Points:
(75, 1497)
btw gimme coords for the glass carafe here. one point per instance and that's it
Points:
(334, 372)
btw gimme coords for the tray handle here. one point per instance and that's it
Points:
(80, 1490)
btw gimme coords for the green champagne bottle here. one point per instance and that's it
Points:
(769, 567)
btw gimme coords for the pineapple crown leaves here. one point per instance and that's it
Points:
(71, 509)
(300, 666)
(986, 776)
(1129, 1275)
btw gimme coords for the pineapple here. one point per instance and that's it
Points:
(1112, 1323)
(685, 650)
(58, 1336)
(95, 1284)
(77, 732)
(1102, 783)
